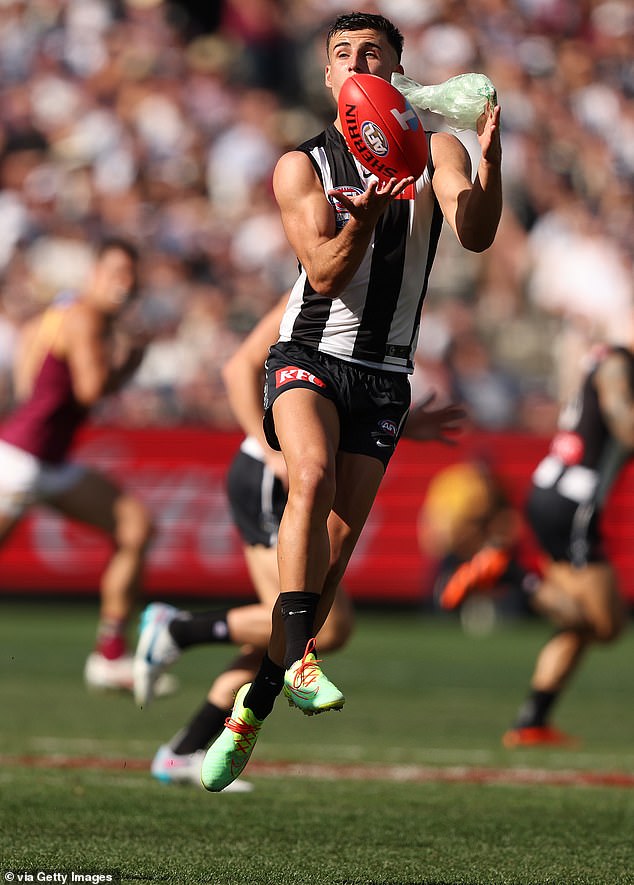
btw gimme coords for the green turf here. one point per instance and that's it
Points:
(419, 692)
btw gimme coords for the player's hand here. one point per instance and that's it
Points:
(367, 208)
(425, 424)
(489, 135)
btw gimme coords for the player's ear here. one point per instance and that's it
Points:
(327, 79)
(399, 69)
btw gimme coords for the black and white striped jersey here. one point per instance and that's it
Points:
(375, 320)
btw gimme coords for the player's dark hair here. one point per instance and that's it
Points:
(358, 21)
(120, 244)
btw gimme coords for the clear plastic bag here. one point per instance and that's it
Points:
(462, 101)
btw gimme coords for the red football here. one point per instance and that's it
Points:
(381, 127)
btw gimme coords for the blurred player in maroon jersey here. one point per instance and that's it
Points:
(69, 357)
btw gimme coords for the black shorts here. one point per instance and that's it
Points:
(566, 531)
(372, 404)
(257, 499)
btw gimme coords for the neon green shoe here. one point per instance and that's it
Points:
(308, 689)
(230, 752)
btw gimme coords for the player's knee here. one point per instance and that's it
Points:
(226, 684)
(608, 630)
(313, 486)
(335, 633)
(135, 526)
(338, 626)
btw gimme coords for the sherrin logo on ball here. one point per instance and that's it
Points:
(381, 128)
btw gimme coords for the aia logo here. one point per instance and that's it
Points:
(568, 447)
(293, 373)
(407, 119)
(374, 139)
(385, 436)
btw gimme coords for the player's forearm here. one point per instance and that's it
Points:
(616, 400)
(621, 422)
(334, 262)
(478, 215)
(121, 374)
(243, 378)
(245, 399)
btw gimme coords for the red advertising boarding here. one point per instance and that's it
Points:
(180, 474)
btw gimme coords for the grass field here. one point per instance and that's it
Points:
(421, 793)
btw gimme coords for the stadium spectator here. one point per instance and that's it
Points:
(337, 418)
(126, 107)
(69, 357)
(578, 588)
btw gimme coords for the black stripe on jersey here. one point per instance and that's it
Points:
(311, 321)
(434, 235)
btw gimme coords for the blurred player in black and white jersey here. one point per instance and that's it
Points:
(337, 391)
(578, 589)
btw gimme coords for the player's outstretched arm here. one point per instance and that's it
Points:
(243, 374)
(471, 208)
(616, 397)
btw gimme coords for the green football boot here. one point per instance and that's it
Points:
(308, 689)
(230, 752)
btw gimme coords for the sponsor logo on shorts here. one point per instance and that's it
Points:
(385, 436)
(294, 373)
(568, 447)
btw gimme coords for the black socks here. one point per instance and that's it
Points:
(265, 688)
(535, 710)
(298, 613)
(199, 628)
(205, 725)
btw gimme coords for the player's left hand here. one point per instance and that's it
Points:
(425, 424)
(489, 135)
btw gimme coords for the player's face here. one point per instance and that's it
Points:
(114, 279)
(359, 52)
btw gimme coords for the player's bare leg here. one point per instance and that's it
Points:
(96, 501)
(586, 601)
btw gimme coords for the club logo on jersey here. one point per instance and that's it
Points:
(343, 216)
(294, 373)
(374, 139)
(385, 436)
(568, 447)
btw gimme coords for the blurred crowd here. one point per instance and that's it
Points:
(162, 122)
